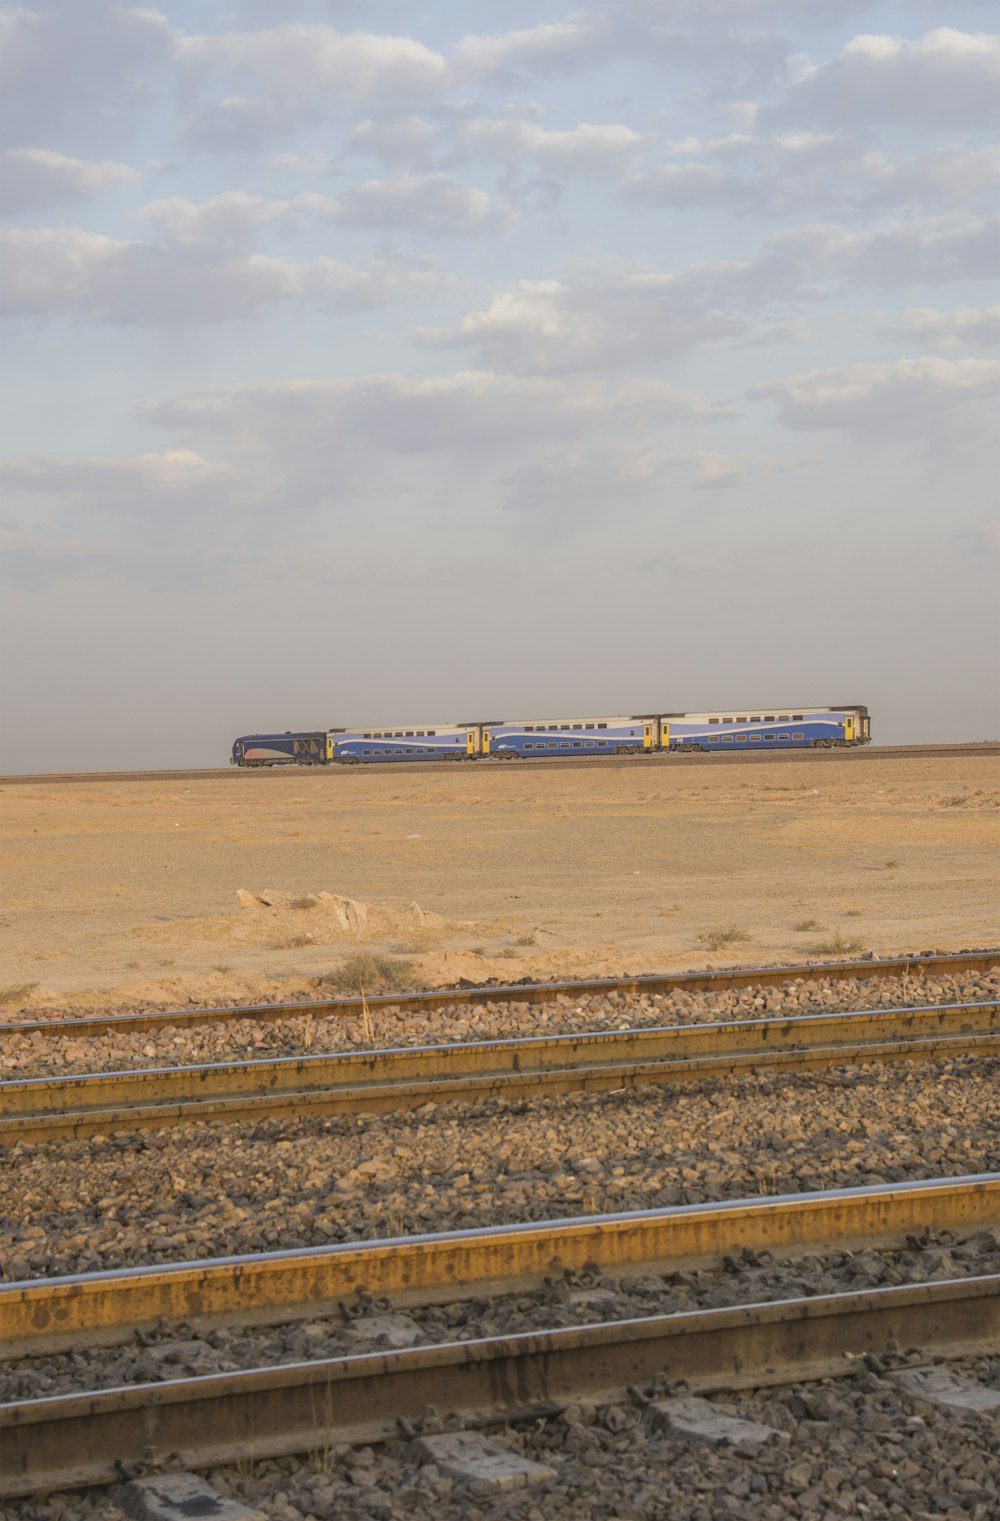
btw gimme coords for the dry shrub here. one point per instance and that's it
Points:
(367, 973)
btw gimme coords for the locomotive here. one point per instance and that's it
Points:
(788, 728)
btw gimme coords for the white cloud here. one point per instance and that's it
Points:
(430, 203)
(925, 397)
(464, 412)
(606, 320)
(946, 78)
(35, 177)
(298, 61)
(173, 472)
(587, 148)
(551, 46)
(962, 327)
(78, 68)
(929, 250)
(44, 272)
(407, 142)
(755, 174)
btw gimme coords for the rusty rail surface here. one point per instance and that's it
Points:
(919, 964)
(53, 1314)
(404, 1077)
(86, 1439)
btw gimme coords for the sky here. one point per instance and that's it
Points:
(390, 363)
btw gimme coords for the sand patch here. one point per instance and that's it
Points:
(285, 921)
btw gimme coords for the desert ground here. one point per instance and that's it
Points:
(121, 893)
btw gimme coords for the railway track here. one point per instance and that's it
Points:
(773, 757)
(33, 1110)
(921, 964)
(86, 1438)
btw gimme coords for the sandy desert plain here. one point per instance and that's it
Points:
(124, 893)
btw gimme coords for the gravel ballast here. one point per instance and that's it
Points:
(61, 1051)
(213, 1190)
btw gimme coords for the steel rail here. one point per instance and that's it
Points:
(59, 1314)
(73, 1107)
(85, 1439)
(297, 774)
(920, 964)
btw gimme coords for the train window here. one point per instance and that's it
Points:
(366, 736)
(432, 732)
(769, 718)
(409, 749)
(755, 718)
(578, 744)
(755, 739)
(727, 720)
(564, 744)
(741, 739)
(784, 736)
(588, 726)
(409, 734)
(798, 735)
(602, 726)
(553, 745)
(529, 744)
(366, 752)
(529, 728)
(578, 726)
(727, 739)
(770, 736)
(713, 720)
(590, 743)
(797, 718)
(742, 719)
(713, 739)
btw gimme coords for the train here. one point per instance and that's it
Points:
(794, 727)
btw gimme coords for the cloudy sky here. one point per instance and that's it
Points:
(397, 362)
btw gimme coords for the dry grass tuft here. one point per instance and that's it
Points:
(366, 973)
(839, 945)
(15, 992)
(715, 940)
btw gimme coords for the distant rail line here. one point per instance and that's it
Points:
(73, 1107)
(86, 1438)
(765, 758)
(919, 964)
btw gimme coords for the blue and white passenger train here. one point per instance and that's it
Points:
(790, 728)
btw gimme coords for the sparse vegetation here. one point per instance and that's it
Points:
(853, 913)
(715, 940)
(366, 973)
(478, 950)
(891, 865)
(807, 924)
(839, 945)
(16, 991)
(309, 901)
(526, 939)
(293, 943)
(223, 969)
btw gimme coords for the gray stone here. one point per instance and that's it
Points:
(178, 1351)
(472, 1458)
(593, 1299)
(699, 1420)
(397, 1330)
(947, 1391)
(180, 1497)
